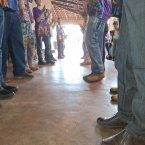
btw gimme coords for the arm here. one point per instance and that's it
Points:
(48, 14)
(38, 18)
(51, 24)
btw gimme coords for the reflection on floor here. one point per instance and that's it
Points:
(57, 107)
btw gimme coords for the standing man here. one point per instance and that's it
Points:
(41, 16)
(60, 39)
(13, 40)
(130, 63)
(6, 92)
(99, 13)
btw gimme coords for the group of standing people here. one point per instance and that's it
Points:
(128, 52)
(129, 56)
(17, 38)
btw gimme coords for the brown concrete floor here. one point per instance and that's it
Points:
(57, 107)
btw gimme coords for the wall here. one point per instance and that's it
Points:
(49, 6)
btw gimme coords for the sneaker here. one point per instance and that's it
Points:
(24, 76)
(41, 63)
(5, 94)
(50, 62)
(9, 88)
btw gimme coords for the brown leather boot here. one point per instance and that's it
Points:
(113, 90)
(122, 138)
(112, 122)
(94, 77)
(114, 97)
(84, 77)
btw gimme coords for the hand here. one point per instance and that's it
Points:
(44, 9)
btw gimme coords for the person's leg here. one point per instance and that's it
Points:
(25, 41)
(102, 42)
(59, 44)
(58, 47)
(63, 48)
(132, 105)
(30, 46)
(51, 49)
(136, 127)
(47, 49)
(6, 92)
(7, 27)
(84, 49)
(94, 28)
(16, 46)
(126, 83)
(107, 47)
(120, 16)
(1, 38)
(39, 48)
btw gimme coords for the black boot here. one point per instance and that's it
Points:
(50, 62)
(9, 88)
(53, 59)
(4, 94)
(41, 63)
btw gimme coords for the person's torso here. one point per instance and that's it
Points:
(116, 35)
(26, 2)
(13, 5)
(40, 27)
(106, 4)
(60, 32)
(23, 11)
(116, 7)
(95, 8)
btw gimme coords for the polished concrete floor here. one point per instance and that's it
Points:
(57, 107)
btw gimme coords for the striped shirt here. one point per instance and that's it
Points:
(100, 9)
(106, 9)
